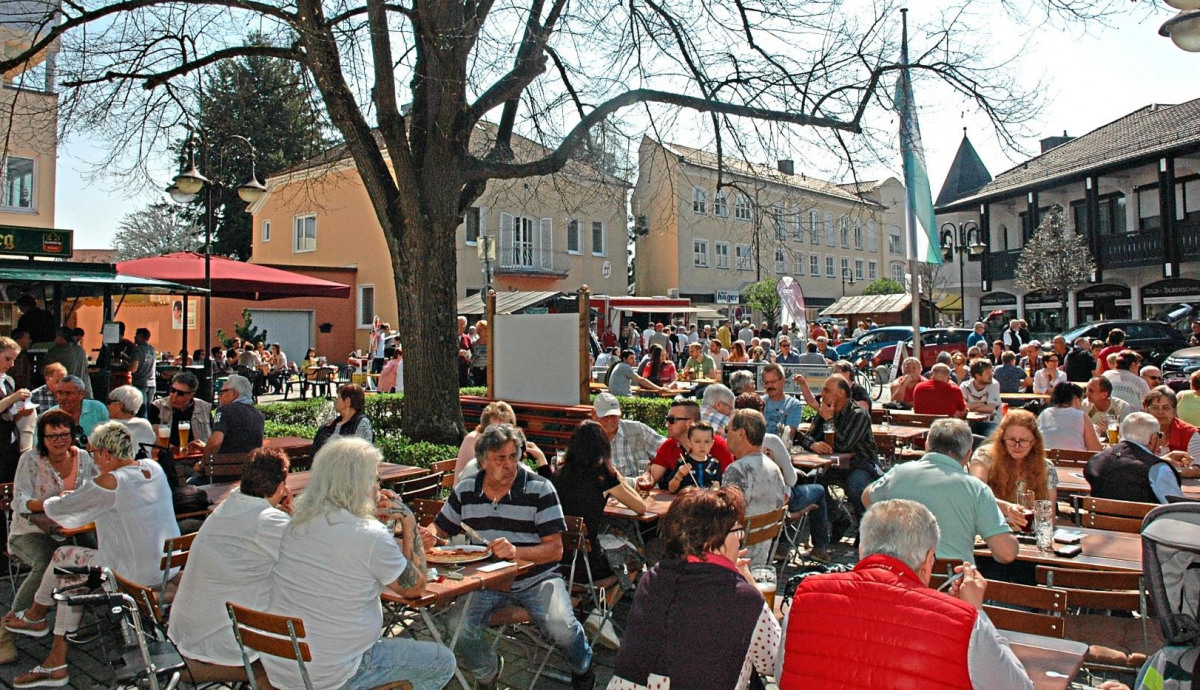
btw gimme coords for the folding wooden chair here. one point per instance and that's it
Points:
(1102, 615)
(1009, 606)
(175, 555)
(425, 510)
(224, 467)
(1069, 458)
(449, 477)
(427, 486)
(763, 528)
(1110, 514)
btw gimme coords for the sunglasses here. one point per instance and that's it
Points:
(176, 391)
(672, 420)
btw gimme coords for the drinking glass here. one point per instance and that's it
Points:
(830, 432)
(1026, 500)
(764, 579)
(1114, 431)
(185, 428)
(1043, 521)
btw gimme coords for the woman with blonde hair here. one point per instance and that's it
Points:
(335, 559)
(497, 412)
(479, 348)
(1014, 460)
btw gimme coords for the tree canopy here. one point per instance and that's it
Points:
(1055, 261)
(884, 286)
(762, 297)
(155, 230)
(406, 84)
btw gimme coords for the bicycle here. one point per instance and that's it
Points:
(866, 376)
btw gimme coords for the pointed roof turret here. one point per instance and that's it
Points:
(967, 174)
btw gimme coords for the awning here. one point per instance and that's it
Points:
(869, 304)
(507, 302)
(660, 310)
(710, 312)
(88, 280)
(950, 303)
(232, 279)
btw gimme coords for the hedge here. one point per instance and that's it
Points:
(303, 417)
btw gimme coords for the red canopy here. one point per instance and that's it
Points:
(233, 279)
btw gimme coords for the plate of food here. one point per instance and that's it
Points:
(457, 553)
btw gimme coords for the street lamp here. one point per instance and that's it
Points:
(1184, 28)
(183, 190)
(847, 278)
(967, 239)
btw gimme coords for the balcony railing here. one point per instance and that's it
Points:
(1142, 248)
(1003, 265)
(523, 261)
(1189, 240)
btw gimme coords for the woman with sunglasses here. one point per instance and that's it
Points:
(1014, 460)
(51, 468)
(698, 621)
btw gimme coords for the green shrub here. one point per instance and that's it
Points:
(649, 411)
(403, 451)
(312, 412)
(385, 412)
(480, 391)
(273, 429)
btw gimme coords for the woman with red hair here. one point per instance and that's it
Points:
(1014, 460)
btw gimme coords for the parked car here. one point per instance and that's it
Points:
(933, 342)
(1181, 363)
(1153, 340)
(867, 343)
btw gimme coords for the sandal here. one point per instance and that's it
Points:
(21, 625)
(42, 677)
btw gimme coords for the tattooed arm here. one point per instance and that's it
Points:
(411, 582)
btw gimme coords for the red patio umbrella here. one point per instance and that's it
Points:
(233, 279)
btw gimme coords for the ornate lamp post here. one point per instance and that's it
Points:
(847, 278)
(967, 239)
(1184, 28)
(184, 189)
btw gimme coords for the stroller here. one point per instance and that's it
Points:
(1171, 573)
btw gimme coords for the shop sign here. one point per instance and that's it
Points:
(22, 241)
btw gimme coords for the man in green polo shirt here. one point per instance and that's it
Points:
(963, 505)
(699, 364)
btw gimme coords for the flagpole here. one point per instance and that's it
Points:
(910, 215)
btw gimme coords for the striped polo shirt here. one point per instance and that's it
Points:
(527, 513)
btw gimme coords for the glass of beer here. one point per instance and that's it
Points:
(1114, 431)
(164, 434)
(185, 429)
(1026, 500)
(764, 579)
(644, 484)
(829, 433)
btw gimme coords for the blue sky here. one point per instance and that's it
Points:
(1092, 77)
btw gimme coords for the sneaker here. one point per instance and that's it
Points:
(585, 680)
(490, 684)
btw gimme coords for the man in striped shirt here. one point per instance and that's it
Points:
(519, 514)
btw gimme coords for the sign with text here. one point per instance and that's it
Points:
(22, 241)
(727, 297)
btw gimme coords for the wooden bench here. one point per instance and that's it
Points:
(549, 426)
(224, 467)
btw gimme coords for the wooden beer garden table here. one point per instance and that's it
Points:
(812, 462)
(1102, 550)
(1049, 662)
(1072, 481)
(441, 593)
(899, 431)
(1022, 398)
(657, 505)
(297, 481)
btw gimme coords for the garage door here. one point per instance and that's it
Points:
(293, 330)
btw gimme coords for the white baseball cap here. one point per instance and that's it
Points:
(607, 405)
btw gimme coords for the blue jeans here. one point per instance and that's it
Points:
(549, 606)
(804, 495)
(427, 665)
(857, 482)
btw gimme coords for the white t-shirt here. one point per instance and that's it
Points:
(141, 431)
(1062, 428)
(330, 573)
(989, 395)
(231, 560)
(1128, 386)
(132, 521)
(1043, 383)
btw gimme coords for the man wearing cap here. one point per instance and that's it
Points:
(633, 443)
(67, 352)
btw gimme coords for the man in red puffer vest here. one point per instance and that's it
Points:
(881, 627)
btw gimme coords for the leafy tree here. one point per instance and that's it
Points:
(153, 231)
(270, 101)
(762, 297)
(884, 286)
(1055, 261)
(246, 330)
(777, 71)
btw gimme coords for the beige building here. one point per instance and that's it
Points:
(764, 222)
(553, 233)
(29, 126)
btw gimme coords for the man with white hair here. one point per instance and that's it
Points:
(978, 336)
(902, 388)
(1012, 336)
(1152, 376)
(741, 381)
(716, 407)
(238, 426)
(746, 334)
(963, 504)
(1132, 470)
(889, 587)
(938, 395)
